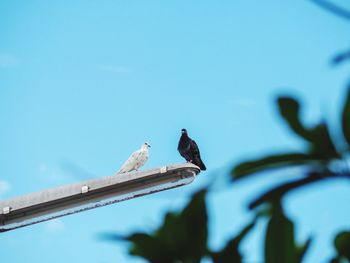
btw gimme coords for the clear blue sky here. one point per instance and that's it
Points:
(84, 83)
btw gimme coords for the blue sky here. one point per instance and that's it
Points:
(84, 83)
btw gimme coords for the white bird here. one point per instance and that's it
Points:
(136, 160)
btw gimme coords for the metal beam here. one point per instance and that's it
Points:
(70, 199)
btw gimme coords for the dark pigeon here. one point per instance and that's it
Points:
(188, 149)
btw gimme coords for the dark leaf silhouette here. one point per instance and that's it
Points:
(289, 109)
(320, 146)
(280, 244)
(230, 253)
(150, 248)
(318, 137)
(320, 152)
(335, 260)
(342, 245)
(143, 245)
(279, 239)
(181, 238)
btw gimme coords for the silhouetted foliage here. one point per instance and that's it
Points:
(320, 161)
(280, 244)
(319, 145)
(317, 158)
(230, 253)
(342, 246)
(182, 238)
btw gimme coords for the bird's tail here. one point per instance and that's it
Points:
(200, 164)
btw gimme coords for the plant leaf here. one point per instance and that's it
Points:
(150, 248)
(289, 109)
(181, 238)
(189, 226)
(230, 253)
(321, 144)
(342, 244)
(318, 137)
(271, 162)
(335, 260)
(279, 240)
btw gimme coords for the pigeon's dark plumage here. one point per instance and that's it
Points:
(188, 149)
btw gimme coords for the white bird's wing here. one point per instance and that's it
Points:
(142, 158)
(131, 163)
